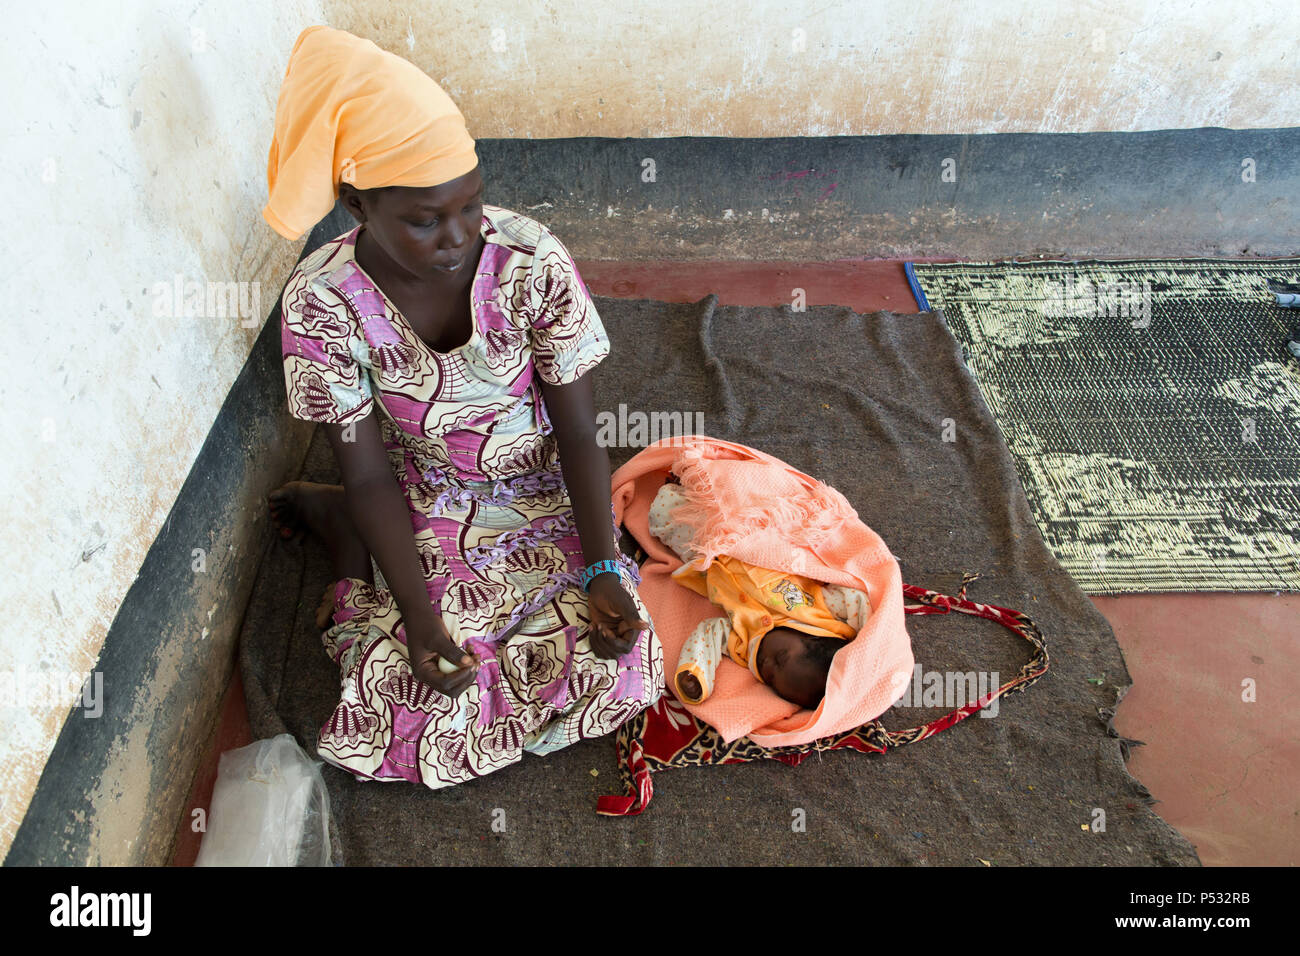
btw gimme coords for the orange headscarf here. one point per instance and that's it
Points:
(351, 112)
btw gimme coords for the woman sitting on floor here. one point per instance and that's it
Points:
(444, 345)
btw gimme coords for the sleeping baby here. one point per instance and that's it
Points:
(783, 628)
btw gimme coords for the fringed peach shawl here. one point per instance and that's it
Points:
(754, 507)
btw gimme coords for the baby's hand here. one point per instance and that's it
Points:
(689, 686)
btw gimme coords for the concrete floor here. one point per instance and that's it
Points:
(1224, 769)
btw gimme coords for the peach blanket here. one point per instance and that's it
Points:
(757, 508)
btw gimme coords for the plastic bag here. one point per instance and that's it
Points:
(269, 808)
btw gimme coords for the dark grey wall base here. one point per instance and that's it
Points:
(1164, 193)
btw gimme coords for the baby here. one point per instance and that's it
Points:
(783, 628)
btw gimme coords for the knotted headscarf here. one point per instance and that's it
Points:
(351, 112)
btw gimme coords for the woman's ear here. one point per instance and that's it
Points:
(350, 196)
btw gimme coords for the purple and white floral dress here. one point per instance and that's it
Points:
(471, 447)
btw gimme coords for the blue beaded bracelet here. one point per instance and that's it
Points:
(600, 567)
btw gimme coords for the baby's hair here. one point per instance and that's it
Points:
(820, 651)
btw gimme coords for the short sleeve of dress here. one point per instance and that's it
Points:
(568, 338)
(324, 379)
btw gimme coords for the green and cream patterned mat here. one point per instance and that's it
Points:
(1152, 409)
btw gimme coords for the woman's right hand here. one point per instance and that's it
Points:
(426, 644)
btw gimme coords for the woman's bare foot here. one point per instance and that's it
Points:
(307, 506)
(325, 610)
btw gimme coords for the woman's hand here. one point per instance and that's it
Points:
(615, 621)
(426, 644)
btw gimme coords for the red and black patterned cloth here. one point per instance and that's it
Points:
(668, 735)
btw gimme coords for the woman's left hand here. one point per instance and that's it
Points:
(615, 620)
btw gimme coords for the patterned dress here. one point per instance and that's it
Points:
(471, 446)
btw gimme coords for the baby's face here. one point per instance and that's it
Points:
(783, 664)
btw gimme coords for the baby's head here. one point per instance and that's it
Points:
(795, 664)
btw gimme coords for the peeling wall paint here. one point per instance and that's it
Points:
(853, 67)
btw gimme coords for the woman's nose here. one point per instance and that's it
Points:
(455, 234)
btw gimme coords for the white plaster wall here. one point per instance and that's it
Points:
(135, 150)
(135, 147)
(847, 67)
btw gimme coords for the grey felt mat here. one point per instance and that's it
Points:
(859, 402)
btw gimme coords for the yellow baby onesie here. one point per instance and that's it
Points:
(756, 600)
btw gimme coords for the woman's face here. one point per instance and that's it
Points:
(427, 232)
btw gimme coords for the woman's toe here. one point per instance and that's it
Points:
(325, 610)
